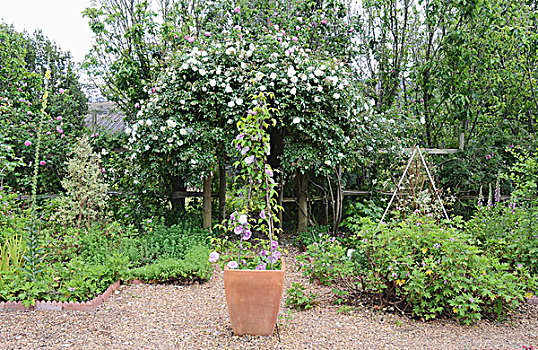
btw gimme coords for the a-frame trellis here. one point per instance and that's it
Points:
(415, 150)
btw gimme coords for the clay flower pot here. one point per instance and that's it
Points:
(253, 298)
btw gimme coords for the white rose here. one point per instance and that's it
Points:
(291, 71)
(318, 73)
(336, 95)
(228, 88)
(293, 91)
(273, 75)
(231, 104)
(213, 82)
(296, 120)
(239, 101)
(183, 131)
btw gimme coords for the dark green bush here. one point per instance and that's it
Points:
(423, 269)
(194, 267)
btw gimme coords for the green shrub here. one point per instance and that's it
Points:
(430, 270)
(507, 233)
(194, 267)
(298, 299)
(161, 242)
(325, 261)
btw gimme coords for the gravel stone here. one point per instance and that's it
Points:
(195, 317)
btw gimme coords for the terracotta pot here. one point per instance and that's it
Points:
(253, 298)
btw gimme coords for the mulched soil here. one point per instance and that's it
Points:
(195, 317)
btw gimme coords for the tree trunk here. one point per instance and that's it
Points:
(222, 191)
(302, 201)
(206, 222)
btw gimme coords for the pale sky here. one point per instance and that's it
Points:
(60, 20)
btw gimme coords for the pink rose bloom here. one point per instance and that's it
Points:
(324, 21)
(42, 162)
(237, 10)
(27, 143)
(191, 40)
(61, 91)
(294, 38)
(59, 118)
(207, 34)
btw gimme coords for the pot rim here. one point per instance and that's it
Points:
(282, 268)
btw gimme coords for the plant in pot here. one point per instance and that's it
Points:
(253, 268)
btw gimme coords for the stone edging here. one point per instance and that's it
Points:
(62, 305)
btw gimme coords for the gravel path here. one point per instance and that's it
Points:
(195, 317)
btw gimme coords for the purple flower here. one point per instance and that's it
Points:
(42, 162)
(71, 289)
(324, 21)
(238, 230)
(59, 118)
(263, 252)
(519, 266)
(436, 246)
(246, 234)
(261, 266)
(232, 264)
(274, 245)
(274, 256)
(207, 34)
(213, 257)
(232, 217)
(249, 160)
(471, 299)
(137, 105)
(61, 91)
(245, 150)
(294, 38)
(262, 214)
(240, 136)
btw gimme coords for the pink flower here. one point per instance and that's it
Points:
(262, 214)
(207, 34)
(324, 21)
(59, 118)
(246, 234)
(249, 160)
(191, 40)
(213, 257)
(237, 10)
(297, 28)
(42, 162)
(238, 230)
(48, 133)
(29, 113)
(61, 91)
(103, 170)
(59, 129)
(294, 38)
(233, 265)
(137, 105)
(27, 143)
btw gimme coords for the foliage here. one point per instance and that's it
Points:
(161, 242)
(24, 60)
(86, 195)
(193, 267)
(430, 270)
(297, 298)
(311, 235)
(325, 261)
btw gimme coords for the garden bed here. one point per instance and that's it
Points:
(147, 316)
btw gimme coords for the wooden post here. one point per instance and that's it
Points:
(222, 191)
(302, 201)
(462, 141)
(206, 221)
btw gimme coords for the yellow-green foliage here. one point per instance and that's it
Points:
(86, 197)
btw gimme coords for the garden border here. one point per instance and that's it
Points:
(64, 305)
